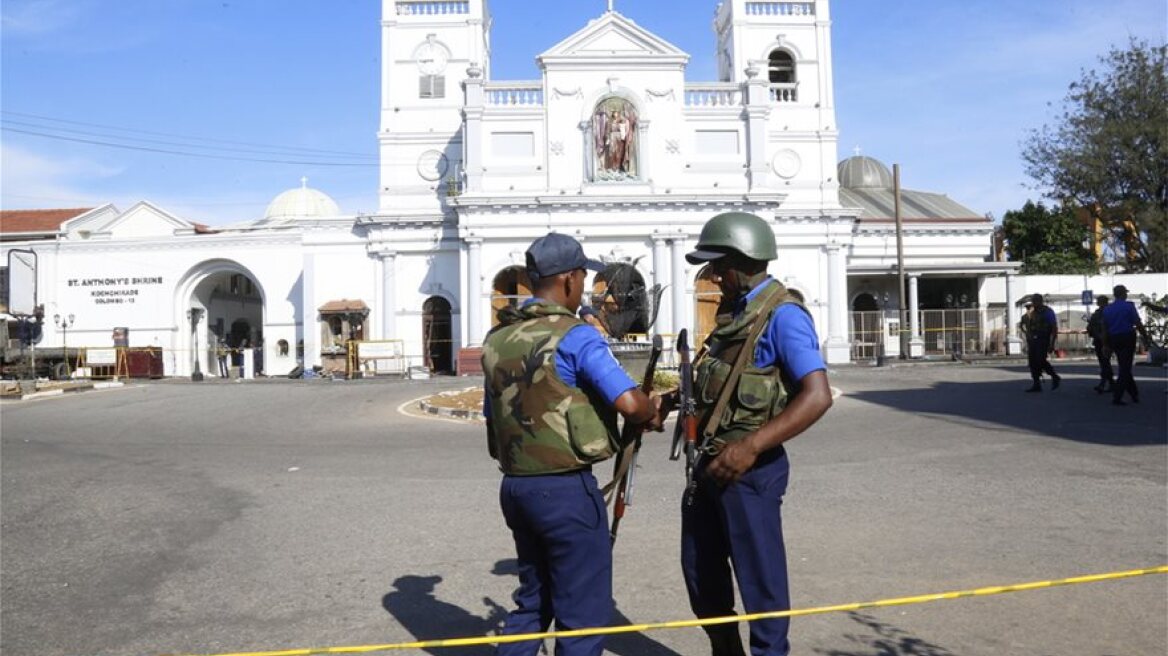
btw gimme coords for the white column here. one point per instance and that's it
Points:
(388, 294)
(474, 292)
(916, 345)
(680, 308)
(310, 329)
(472, 144)
(661, 266)
(836, 347)
(1013, 342)
(757, 109)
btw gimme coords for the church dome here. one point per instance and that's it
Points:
(861, 172)
(302, 202)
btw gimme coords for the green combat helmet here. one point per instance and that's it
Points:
(739, 231)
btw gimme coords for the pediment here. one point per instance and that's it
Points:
(145, 220)
(92, 221)
(613, 36)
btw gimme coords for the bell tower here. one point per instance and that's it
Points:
(426, 48)
(787, 46)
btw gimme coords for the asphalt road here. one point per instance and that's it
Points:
(174, 517)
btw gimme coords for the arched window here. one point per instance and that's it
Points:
(781, 67)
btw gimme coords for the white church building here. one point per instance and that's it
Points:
(612, 145)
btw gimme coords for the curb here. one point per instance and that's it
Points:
(425, 406)
(110, 384)
(428, 408)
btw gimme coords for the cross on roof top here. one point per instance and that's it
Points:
(856, 150)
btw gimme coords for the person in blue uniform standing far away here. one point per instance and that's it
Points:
(553, 392)
(760, 381)
(1121, 321)
(1041, 339)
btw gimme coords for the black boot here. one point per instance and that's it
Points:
(1036, 387)
(725, 641)
(1055, 379)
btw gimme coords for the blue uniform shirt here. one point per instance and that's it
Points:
(583, 359)
(1120, 317)
(789, 341)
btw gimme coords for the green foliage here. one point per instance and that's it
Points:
(1047, 241)
(1108, 150)
(1156, 320)
(665, 380)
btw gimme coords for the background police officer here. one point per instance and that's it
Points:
(1041, 337)
(1097, 333)
(553, 390)
(1121, 320)
(778, 390)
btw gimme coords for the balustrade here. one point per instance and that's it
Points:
(514, 95)
(432, 7)
(713, 95)
(782, 93)
(780, 9)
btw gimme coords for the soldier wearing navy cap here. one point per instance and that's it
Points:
(764, 360)
(553, 392)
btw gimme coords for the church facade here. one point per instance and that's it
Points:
(612, 145)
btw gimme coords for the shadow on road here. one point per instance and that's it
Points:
(1073, 412)
(882, 639)
(414, 605)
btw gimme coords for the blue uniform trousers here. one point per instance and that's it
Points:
(740, 524)
(560, 527)
(1124, 346)
(1103, 355)
(1037, 354)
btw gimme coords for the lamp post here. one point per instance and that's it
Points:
(64, 323)
(195, 315)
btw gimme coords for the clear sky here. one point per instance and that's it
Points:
(946, 89)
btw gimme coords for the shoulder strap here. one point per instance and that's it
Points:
(744, 356)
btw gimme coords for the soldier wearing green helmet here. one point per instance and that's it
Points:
(760, 381)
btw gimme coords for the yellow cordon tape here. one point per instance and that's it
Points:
(683, 624)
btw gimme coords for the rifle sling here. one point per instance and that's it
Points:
(625, 457)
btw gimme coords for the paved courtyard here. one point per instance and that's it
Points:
(173, 517)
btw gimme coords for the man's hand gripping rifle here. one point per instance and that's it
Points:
(626, 463)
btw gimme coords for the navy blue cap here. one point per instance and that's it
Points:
(556, 253)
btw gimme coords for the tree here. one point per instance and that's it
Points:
(1108, 153)
(1049, 241)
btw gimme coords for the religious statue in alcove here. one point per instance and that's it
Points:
(614, 132)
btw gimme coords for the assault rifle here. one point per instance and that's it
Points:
(626, 462)
(685, 434)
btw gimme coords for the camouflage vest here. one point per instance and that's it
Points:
(760, 394)
(540, 424)
(1036, 324)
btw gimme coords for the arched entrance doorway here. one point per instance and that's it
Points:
(707, 298)
(867, 327)
(220, 304)
(437, 345)
(511, 287)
